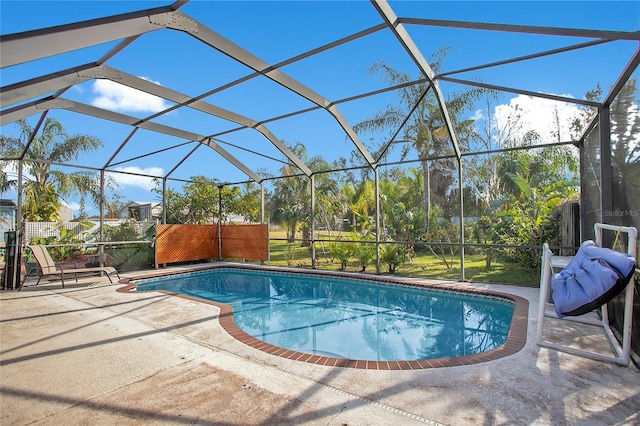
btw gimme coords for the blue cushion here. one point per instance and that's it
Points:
(592, 278)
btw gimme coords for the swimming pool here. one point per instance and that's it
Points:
(314, 317)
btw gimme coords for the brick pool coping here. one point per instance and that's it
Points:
(516, 338)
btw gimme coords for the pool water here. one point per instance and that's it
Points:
(349, 318)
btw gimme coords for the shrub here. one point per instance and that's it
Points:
(365, 252)
(61, 253)
(343, 252)
(394, 255)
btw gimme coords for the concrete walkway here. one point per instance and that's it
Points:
(90, 355)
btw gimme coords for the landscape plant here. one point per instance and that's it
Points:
(133, 256)
(65, 236)
(46, 187)
(395, 255)
(343, 251)
(364, 250)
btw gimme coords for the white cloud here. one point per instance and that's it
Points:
(478, 115)
(11, 168)
(73, 206)
(134, 180)
(78, 88)
(539, 114)
(117, 97)
(11, 171)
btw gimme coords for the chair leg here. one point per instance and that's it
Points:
(114, 272)
(62, 279)
(545, 279)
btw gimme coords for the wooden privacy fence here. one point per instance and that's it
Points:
(182, 243)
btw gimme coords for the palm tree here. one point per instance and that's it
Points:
(539, 167)
(45, 186)
(537, 202)
(5, 183)
(361, 204)
(292, 195)
(291, 200)
(426, 128)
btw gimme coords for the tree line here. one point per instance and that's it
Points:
(511, 183)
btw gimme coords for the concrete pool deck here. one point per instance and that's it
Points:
(88, 354)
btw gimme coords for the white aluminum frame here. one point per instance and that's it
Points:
(549, 262)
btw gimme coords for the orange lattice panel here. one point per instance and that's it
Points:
(249, 242)
(180, 243)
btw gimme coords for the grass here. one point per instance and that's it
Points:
(424, 265)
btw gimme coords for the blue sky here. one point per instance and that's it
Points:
(276, 31)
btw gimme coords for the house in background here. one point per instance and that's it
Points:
(7, 218)
(65, 213)
(141, 211)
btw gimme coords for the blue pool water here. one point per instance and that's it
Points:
(349, 318)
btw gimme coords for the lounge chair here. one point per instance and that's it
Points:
(48, 267)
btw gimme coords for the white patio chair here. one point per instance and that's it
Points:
(550, 264)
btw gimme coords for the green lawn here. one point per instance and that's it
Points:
(423, 265)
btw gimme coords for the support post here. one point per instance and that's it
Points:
(164, 201)
(262, 202)
(220, 222)
(19, 220)
(312, 179)
(377, 195)
(460, 186)
(32, 136)
(606, 189)
(101, 207)
(604, 130)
